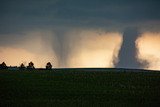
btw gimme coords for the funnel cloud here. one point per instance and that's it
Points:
(128, 52)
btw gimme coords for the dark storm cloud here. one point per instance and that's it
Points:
(82, 13)
(60, 16)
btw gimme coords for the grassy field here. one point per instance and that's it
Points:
(79, 88)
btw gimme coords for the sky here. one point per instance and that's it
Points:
(81, 33)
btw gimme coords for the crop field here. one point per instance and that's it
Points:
(79, 88)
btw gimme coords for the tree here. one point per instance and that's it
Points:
(49, 66)
(22, 67)
(3, 65)
(30, 65)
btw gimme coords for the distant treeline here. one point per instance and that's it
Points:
(23, 67)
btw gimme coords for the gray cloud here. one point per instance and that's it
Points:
(128, 50)
(61, 16)
(22, 14)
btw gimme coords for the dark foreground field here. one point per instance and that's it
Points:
(79, 88)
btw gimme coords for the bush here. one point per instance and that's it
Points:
(22, 67)
(30, 66)
(3, 65)
(49, 65)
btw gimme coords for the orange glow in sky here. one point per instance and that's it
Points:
(148, 45)
(95, 49)
(87, 49)
(16, 56)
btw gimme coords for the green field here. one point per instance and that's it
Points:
(79, 88)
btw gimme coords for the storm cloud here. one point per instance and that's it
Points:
(55, 19)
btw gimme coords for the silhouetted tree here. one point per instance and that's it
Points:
(22, 67)
(30, 65)
(3, 65)
(49, 65)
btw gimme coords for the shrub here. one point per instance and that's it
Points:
(49, 65)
